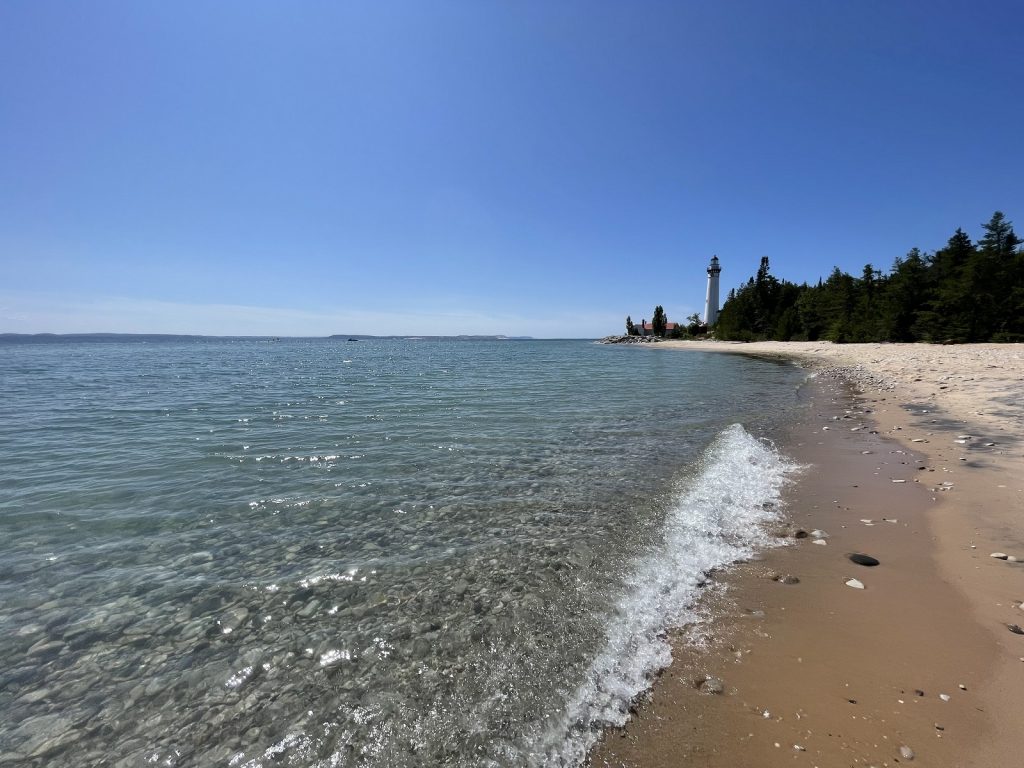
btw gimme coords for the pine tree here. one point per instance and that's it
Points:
(947, 316)
(659, 321)
(997, 279)
(905, 298)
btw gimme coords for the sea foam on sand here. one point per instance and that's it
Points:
(719, 518)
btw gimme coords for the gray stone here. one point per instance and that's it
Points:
(906, 752)
(45, 649)
(712, 685)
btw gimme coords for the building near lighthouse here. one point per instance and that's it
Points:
(711, 301)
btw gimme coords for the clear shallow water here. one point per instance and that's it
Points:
(389, 553)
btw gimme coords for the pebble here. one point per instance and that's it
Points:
(906, 752)
(1015, 629)
(944, 696)
(787, 579)
(899, 481)
(820, 541)
(712, 685)
(865, 560)
(817, 533)
(854, 583)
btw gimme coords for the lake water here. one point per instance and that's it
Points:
(383, 553)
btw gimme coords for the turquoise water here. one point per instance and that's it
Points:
(407, 553)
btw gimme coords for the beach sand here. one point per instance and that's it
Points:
(912, 454)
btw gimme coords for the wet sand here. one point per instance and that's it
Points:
(912, 454)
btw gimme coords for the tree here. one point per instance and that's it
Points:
(659, 321)
(1000, 239)
(948, 315)
(905, 298)
(630, 328)
(999, 281)
(964, 292)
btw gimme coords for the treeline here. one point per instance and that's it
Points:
(965, 292)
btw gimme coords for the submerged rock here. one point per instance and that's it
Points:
(906, 752)
(854, 583)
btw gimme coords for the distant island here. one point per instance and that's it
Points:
(411, 337)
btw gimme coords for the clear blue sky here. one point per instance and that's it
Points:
(540, 168)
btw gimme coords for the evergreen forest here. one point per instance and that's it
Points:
(963, 292)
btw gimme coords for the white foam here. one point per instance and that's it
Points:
(718, 519)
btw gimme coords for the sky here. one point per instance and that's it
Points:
(524, 168)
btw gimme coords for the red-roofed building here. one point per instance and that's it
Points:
(647, 329)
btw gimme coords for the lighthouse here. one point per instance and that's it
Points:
(711, 302)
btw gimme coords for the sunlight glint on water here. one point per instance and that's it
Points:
(315, 552)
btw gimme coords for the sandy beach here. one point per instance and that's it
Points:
(913, 456)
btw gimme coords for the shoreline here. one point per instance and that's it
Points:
(849, 676)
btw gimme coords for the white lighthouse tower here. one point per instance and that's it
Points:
(711, 302)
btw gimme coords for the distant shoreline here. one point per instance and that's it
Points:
(101, 337)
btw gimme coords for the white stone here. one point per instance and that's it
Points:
(854, 583)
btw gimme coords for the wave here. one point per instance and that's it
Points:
(720, 517)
